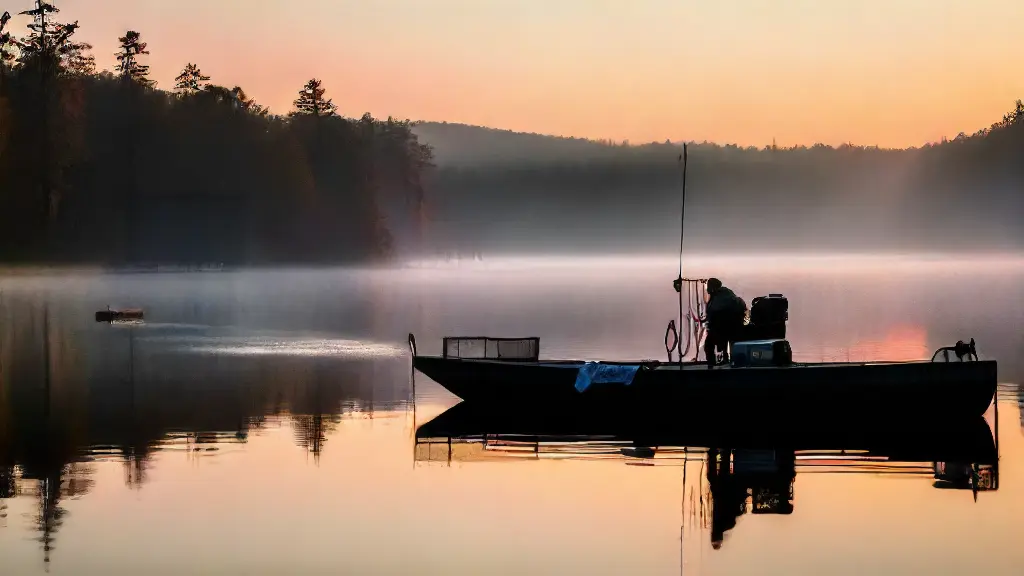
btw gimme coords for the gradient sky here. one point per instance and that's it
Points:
(886, 72)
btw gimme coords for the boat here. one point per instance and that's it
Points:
(761, 377)
(861, 389)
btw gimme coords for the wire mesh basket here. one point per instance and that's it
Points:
(485, 348)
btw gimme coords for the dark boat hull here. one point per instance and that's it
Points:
(843, 390)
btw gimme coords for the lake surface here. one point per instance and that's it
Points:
(263, 422)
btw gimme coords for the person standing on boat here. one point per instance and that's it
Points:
(726, 313)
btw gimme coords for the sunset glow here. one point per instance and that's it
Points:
(892, 73)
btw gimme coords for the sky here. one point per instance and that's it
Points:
(892, 73)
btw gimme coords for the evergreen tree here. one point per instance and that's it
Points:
(49, 44)
(46, 123)
(248, 104)
(112, 158)
(74, 57)
(7, 43)
(234, 98)
(39, 46)
(311, 101)
(128, 65)
(190, 81)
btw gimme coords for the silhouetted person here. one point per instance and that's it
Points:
(725, 316)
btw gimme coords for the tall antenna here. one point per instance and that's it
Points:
(682, 227)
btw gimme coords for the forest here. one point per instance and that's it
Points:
(104, 167)
(499, 191)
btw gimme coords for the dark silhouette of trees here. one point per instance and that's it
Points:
(49, 43)
(248, 104)
(105, 168)
(311, 101)
(190, 81)
(129, 67)
(75, 57)
(7, 57)
(41, 38)
(7, 43)
(42, 93)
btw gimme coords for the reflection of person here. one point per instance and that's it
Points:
(726, 313)
(728, 497)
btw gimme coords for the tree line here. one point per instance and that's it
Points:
(105, 167)
(498, 191)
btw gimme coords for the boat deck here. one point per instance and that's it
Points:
(655, 365)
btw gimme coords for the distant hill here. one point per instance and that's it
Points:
(500, 191)
(467, 145)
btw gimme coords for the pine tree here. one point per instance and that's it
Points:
(128, 65)
(248, 104)
(38, 47)
(6, 57)
(190, 81)
(49, 44)
(47, 127)
(74, 57)
(7, 43)
(311, 101)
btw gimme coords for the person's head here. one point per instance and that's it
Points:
(713, 285)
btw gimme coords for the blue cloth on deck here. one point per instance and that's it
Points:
(595, 373)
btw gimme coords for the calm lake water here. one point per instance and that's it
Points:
(263, 422)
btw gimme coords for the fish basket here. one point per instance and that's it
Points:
(486, 348)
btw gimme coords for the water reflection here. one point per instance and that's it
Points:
(74, 394)
(743, 468)
(1020, 404)
(260, 420)
(764, 477)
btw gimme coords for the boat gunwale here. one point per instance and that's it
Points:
(666, 366)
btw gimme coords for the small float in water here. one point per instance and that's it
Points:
(126, 315)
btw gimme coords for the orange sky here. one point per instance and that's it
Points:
(886, 72)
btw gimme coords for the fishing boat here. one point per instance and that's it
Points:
(760, 377)
(962, 387)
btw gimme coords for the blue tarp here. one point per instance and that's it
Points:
(595, 373)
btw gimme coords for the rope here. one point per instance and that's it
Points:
(692, 322)
(671, 330)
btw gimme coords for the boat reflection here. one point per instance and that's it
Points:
(741, 469)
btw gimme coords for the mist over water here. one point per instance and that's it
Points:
(262, 422)
(500, 192)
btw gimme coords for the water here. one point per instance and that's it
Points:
(262, 422)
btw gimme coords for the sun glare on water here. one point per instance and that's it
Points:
(305, 347)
